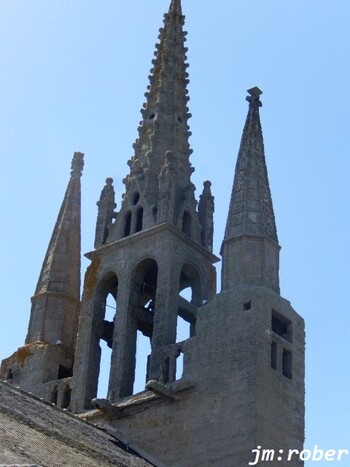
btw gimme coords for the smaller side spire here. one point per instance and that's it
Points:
(55, 304)
(106, 213)
(251, 211)
(250, 248)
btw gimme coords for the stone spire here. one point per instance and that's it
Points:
(165, 113)
(161, 151)
(251, 229)
(55, 303)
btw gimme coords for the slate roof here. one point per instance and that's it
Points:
(35, 433)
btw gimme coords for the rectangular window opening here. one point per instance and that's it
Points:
(281, 326)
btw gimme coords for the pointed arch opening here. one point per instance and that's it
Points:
(140, 325)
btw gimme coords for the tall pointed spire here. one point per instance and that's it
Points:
(163, 134)
(251, 215)
(165, 113)
(55, 302)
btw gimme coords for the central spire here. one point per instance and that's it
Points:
(165, 113)
(160, 169)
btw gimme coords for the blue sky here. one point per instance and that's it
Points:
(73, 78)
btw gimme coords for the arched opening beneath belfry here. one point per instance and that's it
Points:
(191, 296)
(105, 310)
(140, 323)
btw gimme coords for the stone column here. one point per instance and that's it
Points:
(166, 309)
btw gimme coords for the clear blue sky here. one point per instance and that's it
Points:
(73, 75)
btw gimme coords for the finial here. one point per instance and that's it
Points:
(254, 98)
(77, 163)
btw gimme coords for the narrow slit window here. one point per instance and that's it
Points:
(287, 364)
(166, 370)
(139, 219)
(187, 224)
(179, 366)
(127, 224)
(274, 355)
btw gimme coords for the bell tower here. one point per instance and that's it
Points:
(157, 244)
(243, 361)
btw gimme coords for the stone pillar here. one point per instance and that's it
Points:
(166, 309)
(122, 372)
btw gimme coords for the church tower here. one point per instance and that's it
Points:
(158, 244)
(243, 362)
(242, 384)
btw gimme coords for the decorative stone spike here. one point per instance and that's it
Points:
(206, 216)
(77, 163)
(106, 214)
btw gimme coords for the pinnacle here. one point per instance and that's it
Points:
(175, 7)
(77, 163)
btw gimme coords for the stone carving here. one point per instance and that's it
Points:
(206, 216)
(106, 212)
(167, 187)
(77, 163)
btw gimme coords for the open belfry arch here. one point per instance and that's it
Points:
(242, 383)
